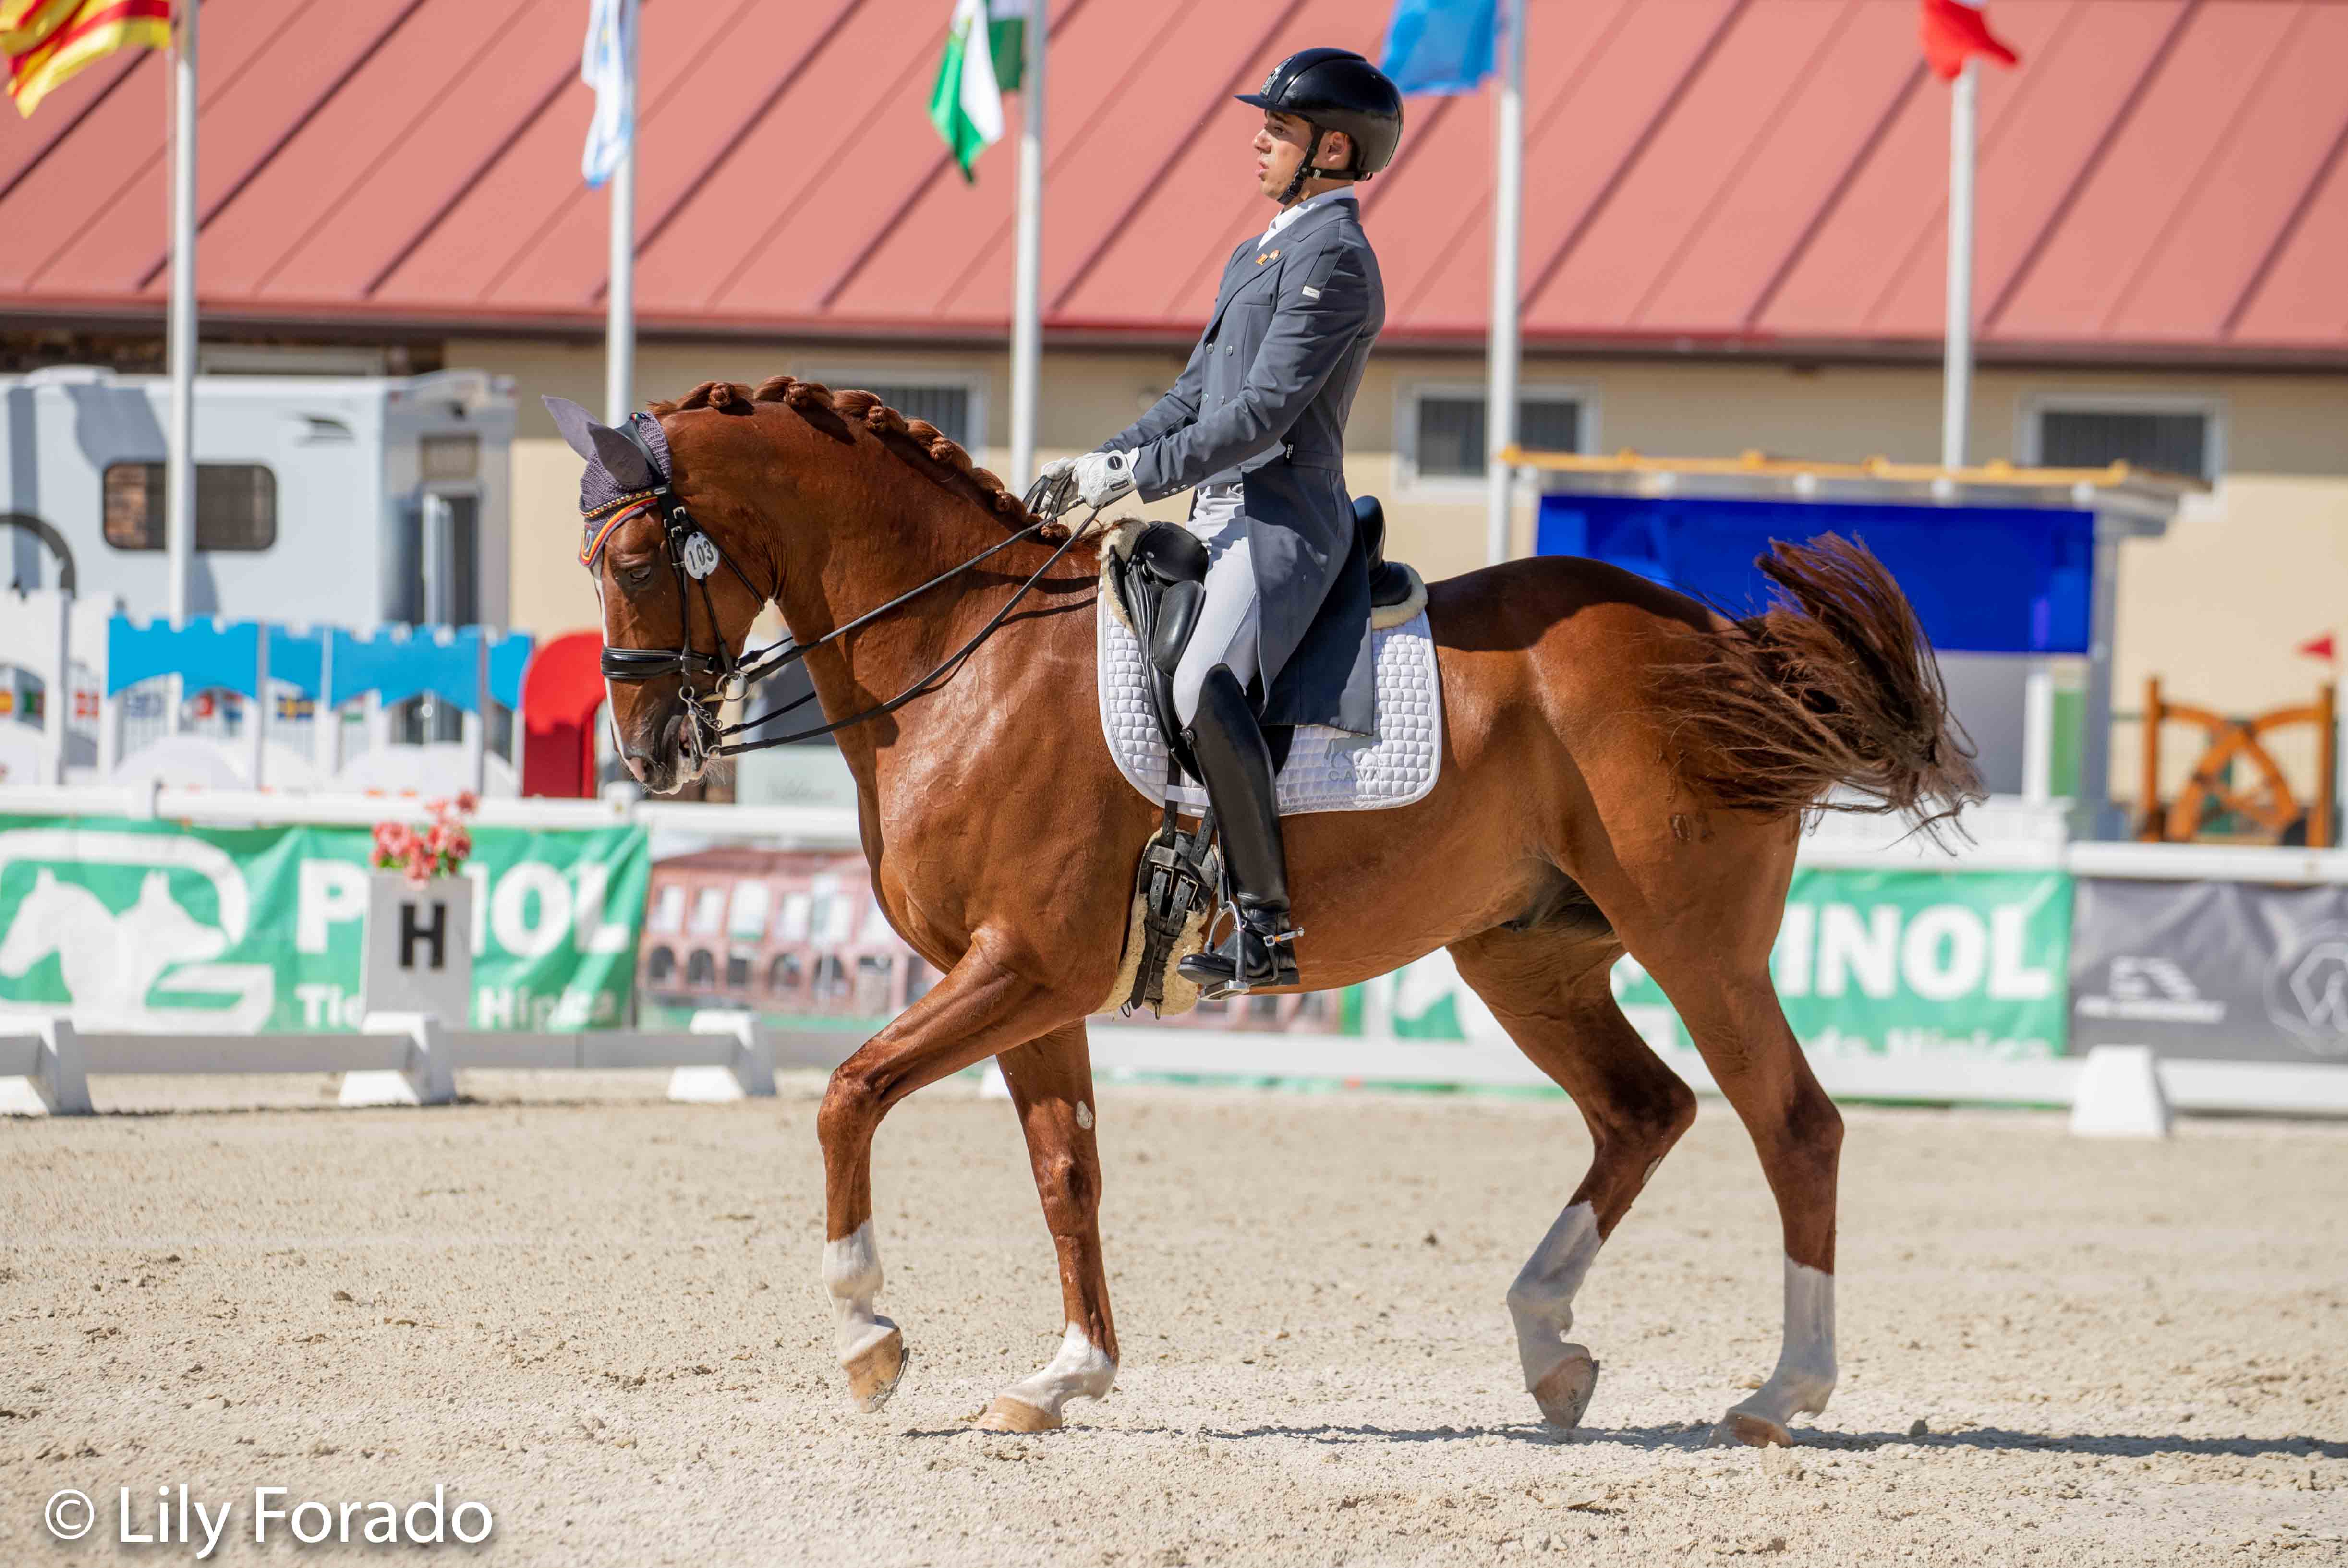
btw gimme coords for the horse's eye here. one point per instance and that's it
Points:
(634, 574)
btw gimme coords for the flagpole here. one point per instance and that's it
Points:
(179, 479)
(1957, 375)
(179, 449)
(620, 330)
(1508, 212)
(1027, 316)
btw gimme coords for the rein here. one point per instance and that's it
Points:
(694, 556)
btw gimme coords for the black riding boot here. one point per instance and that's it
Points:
(1236, 768)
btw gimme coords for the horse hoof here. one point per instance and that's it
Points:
(1009, 1414)
(872, 1372)
(1563, 1394)
(1753, 1431)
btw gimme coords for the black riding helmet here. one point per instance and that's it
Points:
(1335, 89)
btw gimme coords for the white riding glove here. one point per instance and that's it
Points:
(1102, 476)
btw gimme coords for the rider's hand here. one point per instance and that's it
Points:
(1054, 470)
(1102, 476)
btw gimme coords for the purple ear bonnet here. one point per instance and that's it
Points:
(597, 488)
(615, 468)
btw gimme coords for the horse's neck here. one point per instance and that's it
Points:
(884, 544)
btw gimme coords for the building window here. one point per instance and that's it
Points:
(2166, 441)
(1448, 434)
(236, 506)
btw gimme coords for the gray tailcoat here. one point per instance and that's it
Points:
(1263, 403)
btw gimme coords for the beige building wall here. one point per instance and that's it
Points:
(2214, 608)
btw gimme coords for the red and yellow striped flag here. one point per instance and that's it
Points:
(47, 41)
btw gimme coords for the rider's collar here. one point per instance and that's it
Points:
(1288, 215)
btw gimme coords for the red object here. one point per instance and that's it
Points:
(561, 703)
(2317, 647)
(1955, 31)
(1712, 176)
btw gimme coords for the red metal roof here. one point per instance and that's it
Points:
(2162, 178)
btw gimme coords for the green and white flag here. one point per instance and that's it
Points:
(986, 48)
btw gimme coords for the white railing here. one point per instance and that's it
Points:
(404, 1059)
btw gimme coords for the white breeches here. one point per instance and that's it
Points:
(1229, 620)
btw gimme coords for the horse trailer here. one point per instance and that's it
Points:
(340, 501)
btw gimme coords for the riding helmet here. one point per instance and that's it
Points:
(1337, 89)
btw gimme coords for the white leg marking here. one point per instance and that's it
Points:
(1082, 1370)
(1083, 1116)
(851, 1272)
(1805, 1366)
(1541, 1301)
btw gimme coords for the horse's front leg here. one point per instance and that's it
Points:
(1051, 1082)
(983, 1005)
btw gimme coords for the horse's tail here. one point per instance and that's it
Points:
(1834, 684)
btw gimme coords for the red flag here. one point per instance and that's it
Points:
(1955, 30)
(2317, 647)
(44, 42)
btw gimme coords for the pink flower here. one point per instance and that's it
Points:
(393, 841)
(460, 844)
(467, 803)
(438, 840)
(420, 867)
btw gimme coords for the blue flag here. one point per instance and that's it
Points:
(1439, 45)
(607, 64)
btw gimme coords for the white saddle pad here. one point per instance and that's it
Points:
(1327, 770)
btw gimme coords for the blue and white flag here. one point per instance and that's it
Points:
(608, 65)
(1440, 46)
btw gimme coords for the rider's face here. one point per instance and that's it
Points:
(1280, 147)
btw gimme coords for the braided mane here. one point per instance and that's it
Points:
(916, 441)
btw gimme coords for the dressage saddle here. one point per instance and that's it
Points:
(1163, 585)
(1389, 584)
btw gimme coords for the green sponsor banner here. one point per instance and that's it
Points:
(1894, 962)
(161, 925)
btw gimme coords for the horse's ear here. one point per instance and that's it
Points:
(621, 459)
(601, 444)
(574, 422)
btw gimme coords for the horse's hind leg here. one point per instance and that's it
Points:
(1051, 1083)
(1549, 990)
(1723, 995)
(982, 1005)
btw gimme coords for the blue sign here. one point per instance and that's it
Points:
(1983, 579)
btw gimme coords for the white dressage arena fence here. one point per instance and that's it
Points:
(408, 1058)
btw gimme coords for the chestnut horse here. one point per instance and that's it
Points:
(1623, 770)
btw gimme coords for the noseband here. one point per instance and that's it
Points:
(695, 555)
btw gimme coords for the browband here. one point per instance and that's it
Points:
(605, 519)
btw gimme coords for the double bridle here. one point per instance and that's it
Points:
(694, 556)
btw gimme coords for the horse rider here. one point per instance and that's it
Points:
(1257, 425)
